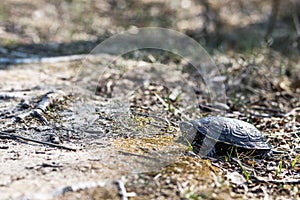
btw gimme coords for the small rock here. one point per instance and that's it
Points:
(236, 178)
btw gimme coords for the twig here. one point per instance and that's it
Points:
(34, 113)
(49, 99)
(42, 106)
(8, 95)
(295, 133)
(286, 181)
(293, 112)
(262, 115)
(210, 108)
(13, 136)
(260, 108)
(165, 104)
(161, 100)
(122, 191)
(269, 112)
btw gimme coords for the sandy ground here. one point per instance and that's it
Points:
(36, 171)
(261, 79)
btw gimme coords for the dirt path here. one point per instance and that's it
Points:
(121, 114)
(37, 171)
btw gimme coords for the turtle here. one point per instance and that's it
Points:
(210, 136)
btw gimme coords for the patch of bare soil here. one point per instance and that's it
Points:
(72, 129)
(132, 138)
(107, 127)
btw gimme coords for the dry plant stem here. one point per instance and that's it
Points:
(240, 164)
(287, 181)
(8, 95)
(49, 100)
(40, 110)
(293, 112)
(260, 108)
(18, 137)
(123, 193)
(164, 103)
(34, 113)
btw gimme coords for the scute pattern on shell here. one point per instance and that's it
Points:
(231, 131)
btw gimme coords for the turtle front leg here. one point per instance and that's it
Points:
(206, 148)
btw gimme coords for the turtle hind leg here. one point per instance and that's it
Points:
(205, 152)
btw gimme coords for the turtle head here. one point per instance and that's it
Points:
(188, 132)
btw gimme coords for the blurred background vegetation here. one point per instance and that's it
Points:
(267, 30)
(255, 44)
(226, 25)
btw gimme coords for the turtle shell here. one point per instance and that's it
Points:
(222, 131)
